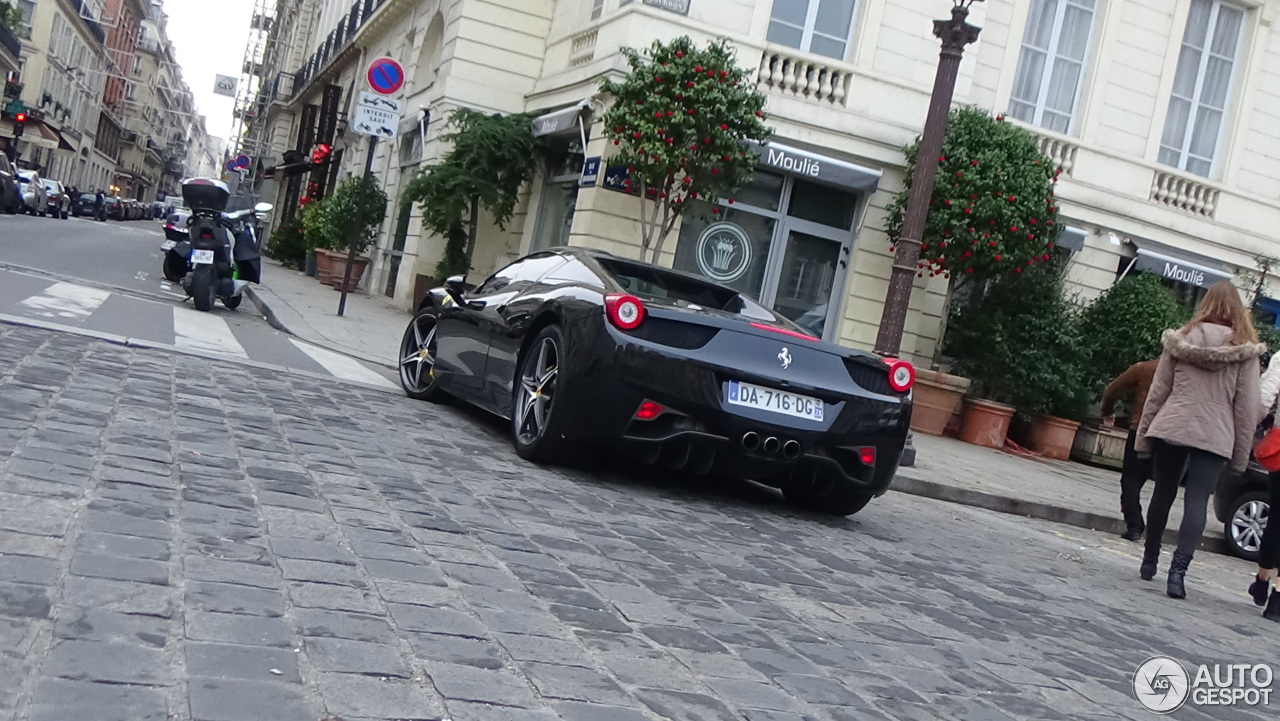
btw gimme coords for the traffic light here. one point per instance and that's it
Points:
(295, 163)
(19, 121)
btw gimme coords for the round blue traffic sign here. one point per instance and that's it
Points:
(386, 76)
(242, 161)
(231, 165)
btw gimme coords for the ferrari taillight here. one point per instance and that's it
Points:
(624, 311)
(902, 375)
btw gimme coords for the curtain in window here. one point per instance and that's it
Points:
(1201, 86)
(817, 26)
(1055, 47)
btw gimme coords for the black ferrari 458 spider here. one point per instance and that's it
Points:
(578, 347)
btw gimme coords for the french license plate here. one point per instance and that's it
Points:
(769, 399)
(167, 245)
(201, 257)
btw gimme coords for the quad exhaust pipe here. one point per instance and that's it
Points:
(752, 442)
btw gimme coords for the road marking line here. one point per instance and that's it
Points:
(66, 301)
(200, 331)
(342, 366)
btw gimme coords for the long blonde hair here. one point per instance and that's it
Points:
(1222, 306)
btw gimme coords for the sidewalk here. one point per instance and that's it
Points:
(945, 469)
(1071, 493)
(370, 328)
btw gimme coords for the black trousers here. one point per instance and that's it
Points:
(1202, 469)
(1132, 478)
(1269, 549)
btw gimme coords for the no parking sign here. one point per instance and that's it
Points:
(385, 76)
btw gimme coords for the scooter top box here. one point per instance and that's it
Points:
(205, 194)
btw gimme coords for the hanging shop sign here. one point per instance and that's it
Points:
(675, 6)
(822, 168)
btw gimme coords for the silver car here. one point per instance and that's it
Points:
(34, 197)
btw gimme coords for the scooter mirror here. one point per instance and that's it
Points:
(263, 208)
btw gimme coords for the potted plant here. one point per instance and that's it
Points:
(347, 225)
(288, 244)
(1121, 327)
(317, 236)
(992, 215)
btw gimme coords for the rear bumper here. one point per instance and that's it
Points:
(700, 433)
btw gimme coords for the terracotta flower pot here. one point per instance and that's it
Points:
(339, 263)
(985, 423)
(1052, 437)
(324, 266)
(936, 397)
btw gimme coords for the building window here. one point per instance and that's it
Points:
(1055, 47)
(1201, 86)
(597, 8)
(817, 26)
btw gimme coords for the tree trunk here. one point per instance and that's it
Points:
(473, 231)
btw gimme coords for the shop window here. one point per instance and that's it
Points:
(1051, 67)
(1201, 86)
(823, 27)
(764, 191)
(731, 248)
(559, 193)
(822, 204)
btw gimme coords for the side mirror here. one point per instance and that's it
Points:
(456, 286)
(263, 208)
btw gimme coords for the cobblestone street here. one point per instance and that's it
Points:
(187, 539)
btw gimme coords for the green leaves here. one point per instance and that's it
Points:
(491, 158)
(993, 210)
(349, 218)
(681, 119)
(1123, 326)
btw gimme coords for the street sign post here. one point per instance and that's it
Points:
(385, 75)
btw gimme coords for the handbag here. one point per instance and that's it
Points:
(1267, 452)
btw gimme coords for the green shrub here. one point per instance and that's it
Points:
(1123, 326)
(288, 244)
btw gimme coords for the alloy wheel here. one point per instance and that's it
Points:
(1247, 525)
(537, 391)
(418, 355)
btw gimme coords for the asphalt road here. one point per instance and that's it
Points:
(178, 540)
(106, 278)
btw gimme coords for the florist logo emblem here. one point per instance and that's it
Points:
(1161, 684)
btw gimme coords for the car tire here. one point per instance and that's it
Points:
(417, 359)
(841, 499)
(1246, 520)
(174, 267)
(536, 427)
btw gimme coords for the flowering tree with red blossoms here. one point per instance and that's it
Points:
(993, 210)
(681, 119)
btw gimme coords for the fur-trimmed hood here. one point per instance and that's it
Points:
(1208, 346)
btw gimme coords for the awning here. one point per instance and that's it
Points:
(1072, 238)
(821, 168)
(40, 135)
(1178, 265)
(560, 121)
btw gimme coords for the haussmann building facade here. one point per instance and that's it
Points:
(1163, 114)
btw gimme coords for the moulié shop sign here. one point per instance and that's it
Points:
(1189, 270)
(675, 6)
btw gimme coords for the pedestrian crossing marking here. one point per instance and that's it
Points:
(342, 366)
(195, 330)
(66, 301)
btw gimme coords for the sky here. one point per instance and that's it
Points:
(208, 39)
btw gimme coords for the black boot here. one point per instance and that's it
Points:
(1133, 532)
(1258, 589)
(1272, 611)
(1150, 558)
(1177, 575)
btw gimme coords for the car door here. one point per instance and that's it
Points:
(462, 347)
(508, 319)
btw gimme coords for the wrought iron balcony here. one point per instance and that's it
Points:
(334, 43)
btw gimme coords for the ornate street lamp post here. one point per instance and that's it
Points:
(955, 35)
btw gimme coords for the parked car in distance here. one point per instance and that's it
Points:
(33, 193)
(175, 226)
(1241, 503)
(10, 195)
(58, 203)
(115, 208)
(580, 348)
(85, 205)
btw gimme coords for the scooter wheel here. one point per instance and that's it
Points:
(204, 288)
(232, 301)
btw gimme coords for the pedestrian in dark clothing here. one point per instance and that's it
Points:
(1268, 580)
(1132, 385)
(1201, 414)
(100, 206)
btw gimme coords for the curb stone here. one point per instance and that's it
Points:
(272, 307)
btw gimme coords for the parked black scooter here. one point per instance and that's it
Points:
(221, 254)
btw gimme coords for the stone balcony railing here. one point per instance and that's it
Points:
(582, 47)
(790, 73)
(1184, 193)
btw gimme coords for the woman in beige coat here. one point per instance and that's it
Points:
(1200, 415)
